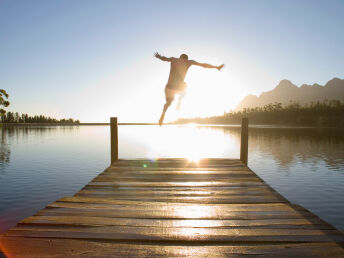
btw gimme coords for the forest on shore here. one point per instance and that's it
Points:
(11, 117)
(325, 113)
(7, 117)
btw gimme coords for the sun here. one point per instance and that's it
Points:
(209, 93)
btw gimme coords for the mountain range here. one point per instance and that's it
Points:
(286, 92)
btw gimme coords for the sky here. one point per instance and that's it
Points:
(90, 60)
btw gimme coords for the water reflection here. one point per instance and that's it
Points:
(310, 145)
(10, 135)
(5, 151)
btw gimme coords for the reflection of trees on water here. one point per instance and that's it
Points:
(5, 151)
(21, 134)
(15, 133)
(286, 144)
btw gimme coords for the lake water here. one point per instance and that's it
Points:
(41, 164)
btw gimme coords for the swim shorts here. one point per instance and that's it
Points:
(171, 90)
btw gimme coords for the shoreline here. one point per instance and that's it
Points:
(66, 124)
(169, 124)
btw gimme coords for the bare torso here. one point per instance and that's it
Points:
(178, 72)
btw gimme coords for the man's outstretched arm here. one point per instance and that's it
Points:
(163, 58)
(207, 65)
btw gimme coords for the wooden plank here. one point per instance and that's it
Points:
(202, 162)
(91, 203)
(193, 199)
(171, 164)
(176, 180)
(150, 192)
(180, 166)
(197, 170)
(173, 223)
(177, 184)
(182, 190)
(190, 230)
(149, 165)
(83, 202)
(232, 189)
(165, 204)
(178, 234)
(173, 214)
(18, 246)
(178, 177)
(176, 163)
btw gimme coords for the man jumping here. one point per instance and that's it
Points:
(176, 84)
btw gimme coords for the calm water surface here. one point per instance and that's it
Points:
(41, 164)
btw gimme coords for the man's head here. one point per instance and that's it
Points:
(184, 56)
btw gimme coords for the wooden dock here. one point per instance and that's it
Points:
(173, 207)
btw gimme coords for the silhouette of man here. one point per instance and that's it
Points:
(176, 84)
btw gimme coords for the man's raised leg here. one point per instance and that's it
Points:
(181, 96)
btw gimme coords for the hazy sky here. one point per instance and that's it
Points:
(94, 59)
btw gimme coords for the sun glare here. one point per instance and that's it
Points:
(171, 141)
(194, 159)
(208, 93)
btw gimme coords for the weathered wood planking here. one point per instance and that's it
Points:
(172, 207)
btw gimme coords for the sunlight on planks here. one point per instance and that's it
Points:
(174, 207)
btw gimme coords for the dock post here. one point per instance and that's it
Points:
(244, 140)
(114, 139)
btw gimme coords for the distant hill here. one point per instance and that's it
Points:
(286, 92)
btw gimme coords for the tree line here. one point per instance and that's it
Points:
(320, 113)
(3, 101)
(11, 117)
